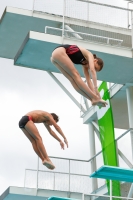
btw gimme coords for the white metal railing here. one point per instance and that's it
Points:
(70, 173)
(86, 34)
(98, 19)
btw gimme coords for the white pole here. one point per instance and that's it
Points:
(69, 178)
(92, 153)
(83, 196)
(63, 23)
(132, 26)
(33, 7)
(67, 92)
(130, 194)
(54, 182)
(129, 92)
(86, 103)
(127, 15)
(73, 32)
(37, 174)
(110, 189)
(88, 12)
(25, 178)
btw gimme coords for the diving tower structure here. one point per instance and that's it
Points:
(29, 37)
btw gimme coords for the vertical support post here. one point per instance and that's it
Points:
(69, 178)
(92, 153)
(127, 15)
(88, 12)
(63, 22)
(33, 7)
(86, 103)
(130, 194)
(110, 189)
(54, 182)
(24, 178)
(132, 26)
(129, 92)
(117, 153)
(83, 196)
(37, 174)
(109, 85)
(67, 92)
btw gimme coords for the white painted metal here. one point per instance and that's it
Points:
(128, 25)
(110, 189)
(48, 193)
(132, 27)
(130, 193)
(68, 21)
(67, 92)
(86, 103)
(33, 7)
(69, 177)
(45, 37)
(87, 12)
(117, 153)
(92, 153)
(91, 124)
(24, 177)
(129, 92)
(115, 50)
(114, 89)
(83, 196)
(91, 160)
(73, 32)
(37, 174)
(101, 4)
(96, 128)
(63, 23)
(125, 159)
(54, 182)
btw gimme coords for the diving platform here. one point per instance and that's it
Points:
(118, 98)
(29, 37)
(21, 193)
(23, 38)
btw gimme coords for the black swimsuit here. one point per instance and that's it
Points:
(23, 121)
(73, 53)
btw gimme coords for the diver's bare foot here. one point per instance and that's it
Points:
(99, 102)
(48, 164)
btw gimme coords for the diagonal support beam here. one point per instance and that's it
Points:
(73, 32)
(124, 158)
(96, 129)
(67, 92)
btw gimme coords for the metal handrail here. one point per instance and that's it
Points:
(87, 34)
(101, 4)
(57, 172)
(95, 154)
(69, 159)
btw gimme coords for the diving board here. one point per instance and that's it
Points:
(35, 52)
(59, 198)
(113, 173)
(17, 24)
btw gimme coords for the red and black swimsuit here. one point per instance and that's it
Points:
(73, 53)
(23, 121)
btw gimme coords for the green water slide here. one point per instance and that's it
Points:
(107, 137)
